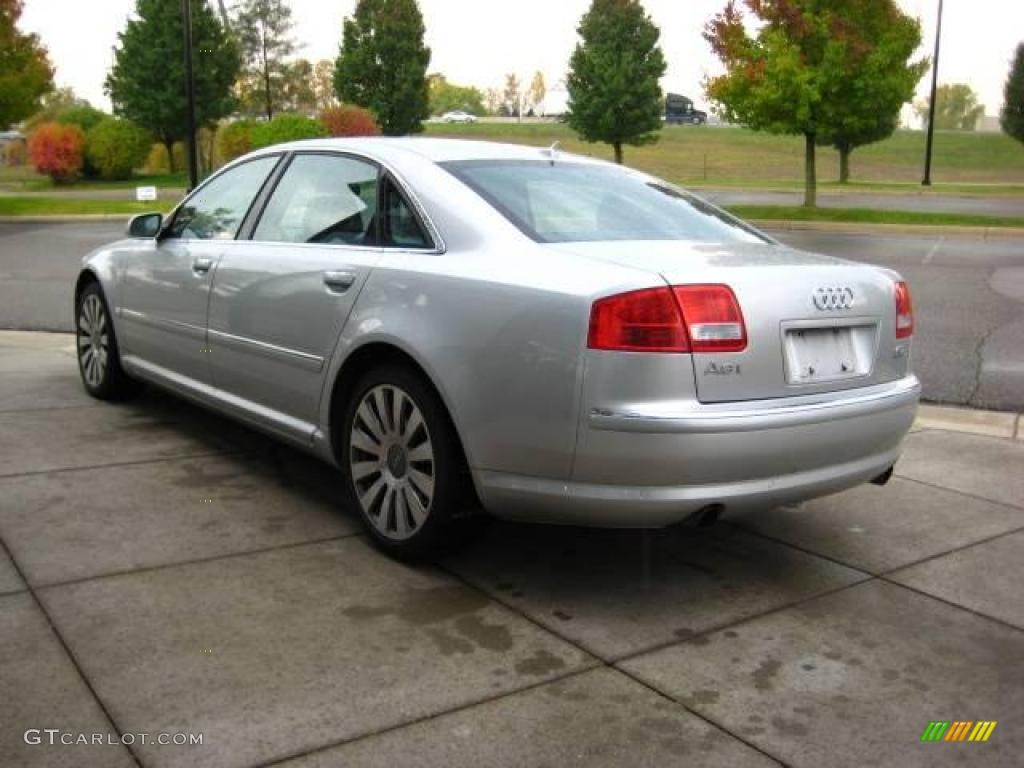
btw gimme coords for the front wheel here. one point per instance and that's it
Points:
(99, 361)
(406, 473)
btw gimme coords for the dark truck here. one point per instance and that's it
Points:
(679, 110)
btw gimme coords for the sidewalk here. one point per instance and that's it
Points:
(163, 570)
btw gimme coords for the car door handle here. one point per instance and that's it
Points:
(202, 266)
(339, 281)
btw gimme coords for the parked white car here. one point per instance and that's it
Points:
(458, 116)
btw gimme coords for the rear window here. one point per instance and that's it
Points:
(564, 202)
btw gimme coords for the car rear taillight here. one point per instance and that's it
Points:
(904, 312)
(713, 318)
(639, 321)
(683, 318)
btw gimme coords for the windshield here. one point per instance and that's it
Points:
(564, 202)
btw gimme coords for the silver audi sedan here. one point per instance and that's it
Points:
(465, 326)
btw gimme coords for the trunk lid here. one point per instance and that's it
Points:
(814, 323)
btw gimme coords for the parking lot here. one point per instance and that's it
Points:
(164, 571)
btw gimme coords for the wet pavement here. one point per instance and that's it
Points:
(163, 570)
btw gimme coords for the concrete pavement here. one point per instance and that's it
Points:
(163, 570)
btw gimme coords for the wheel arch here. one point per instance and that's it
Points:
(366, 357)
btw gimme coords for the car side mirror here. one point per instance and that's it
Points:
(145, 225)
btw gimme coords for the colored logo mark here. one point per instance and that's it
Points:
(958, 730)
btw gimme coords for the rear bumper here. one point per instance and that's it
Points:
(649, 467)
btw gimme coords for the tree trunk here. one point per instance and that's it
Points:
(169, 145)
(810, 172)
(618, 152)
(844, 164)
(266, 77)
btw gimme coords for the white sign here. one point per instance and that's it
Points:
(145, 193)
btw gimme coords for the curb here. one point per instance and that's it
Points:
(944, 418)
(854, 228)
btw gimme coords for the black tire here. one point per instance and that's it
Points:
(99, 359)
(452, 516)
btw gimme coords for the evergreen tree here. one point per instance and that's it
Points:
(382, 64)
(613, 82)
(147, 82)
(1012, 118)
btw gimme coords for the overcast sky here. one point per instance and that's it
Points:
(477, 41)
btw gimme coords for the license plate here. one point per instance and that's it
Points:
(827, 354)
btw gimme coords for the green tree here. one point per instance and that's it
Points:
(956, 108)
(298, 92)
(614, 74)
(879, 76)
(1012, 117)
(538, 90)
(147, 82)
(25, 70)
(264, 32)
(789, 75)
(511, 97)
(445, 96)
(382, 64)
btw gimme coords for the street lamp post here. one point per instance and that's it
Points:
(927, 181)
(190, 98)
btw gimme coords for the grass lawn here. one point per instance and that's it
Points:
(24, 178)
(62, 206)
(872, 216)
(738, 157)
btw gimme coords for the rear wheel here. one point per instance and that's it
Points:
(99, 362)
(406, 473)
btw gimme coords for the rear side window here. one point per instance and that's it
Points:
(577, 202)
(401, 228)
(217, 209)
(322, 199)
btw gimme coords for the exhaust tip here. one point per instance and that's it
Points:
(709, 515)
(883, 478)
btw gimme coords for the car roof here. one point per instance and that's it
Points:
(434, 150)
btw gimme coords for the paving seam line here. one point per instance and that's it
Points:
(4, 549)
(197, 561)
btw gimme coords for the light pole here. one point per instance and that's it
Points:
(927, 181)
(190, 98)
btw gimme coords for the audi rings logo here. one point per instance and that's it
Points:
(831, 299)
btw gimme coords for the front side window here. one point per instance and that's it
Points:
(217, 209)
(579, 202)
(322, 199)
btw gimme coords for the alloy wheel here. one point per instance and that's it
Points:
(392, 462)
(93, 340)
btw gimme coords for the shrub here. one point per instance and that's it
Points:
(286, 128)
(117, 147)
(349, 120)
(15, 153)
(156, 160)
(234, 139)
(56, 150)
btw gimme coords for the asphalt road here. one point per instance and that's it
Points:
(923, 203)
(968, 296)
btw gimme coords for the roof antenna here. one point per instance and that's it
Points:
(553, 152)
